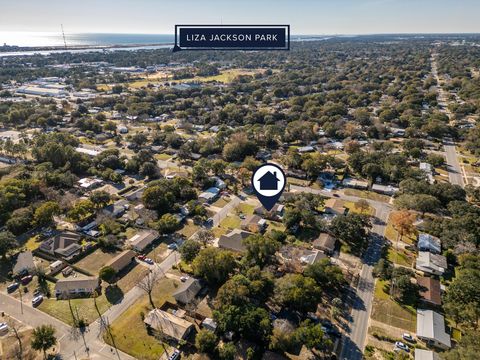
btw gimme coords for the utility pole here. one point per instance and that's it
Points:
(63, 34)
(21, 301)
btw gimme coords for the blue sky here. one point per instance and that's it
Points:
(304, 16)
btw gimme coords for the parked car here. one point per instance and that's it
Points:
(184, 278)
(172, 246)
(3, 327)
(12, 287)
(402, 346)
(37, 292)
(37, 300)
(408, 337)
(175, 355)
(26, 279)
(149, 261)
(141, 257)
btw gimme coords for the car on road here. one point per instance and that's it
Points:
(408, 337)
(175, 355)
(149, 261)
(401, 346)
(3, 327)
(26, 279)
(336, 195)
(184, 278)
(12, 287)
(172, 246)
(141, 257)
(37, 300)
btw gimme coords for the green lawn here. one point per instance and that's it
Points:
(400, 256)
(85, 307)
(390, 312)
(221, 202)
(367, 195)
(129, 331)
(188, 229)
(246, 209)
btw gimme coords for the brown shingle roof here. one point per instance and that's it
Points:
(121, 260)
(430, 290)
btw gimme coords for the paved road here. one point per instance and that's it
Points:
(453, 165)
(354, 343)
(72, 347)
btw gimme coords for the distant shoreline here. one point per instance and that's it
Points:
(15, 48)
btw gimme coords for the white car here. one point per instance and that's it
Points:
(184, 278)
(402, 346)
(37, 300)
(3, 327)
(408, 337)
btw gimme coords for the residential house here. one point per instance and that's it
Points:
(335, 207)
(254, 223)
(122, 260)
(275, 213)
(142, 239)
(209, 195)
(325, 242)
(89, 183)
(74, 287)
(311, 257)
(430, 290)
(168, 324)
(135, 194)
(24, 263)
(116, 209)
(354, 183)
(234, 240)
(187, 291)
(428, 171)
(65, 245)
(421, 354)
(431, 263)
(384, 189)
(431, 329)
(427, 242)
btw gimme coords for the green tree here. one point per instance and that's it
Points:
(189, 250)
(326, 274)
(206, 341)
(43, 338)
(297, 292)
(260, 249)
(43, 214)
(227, 351)
(214, 265)
(167, 224)
(100, 199)
(468, 348)
(108, 274)
(7, 243)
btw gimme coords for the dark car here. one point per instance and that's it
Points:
(12, 287)
(26, 279)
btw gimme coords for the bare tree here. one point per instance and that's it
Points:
(148, 283)
(204, 236)
(17, 351)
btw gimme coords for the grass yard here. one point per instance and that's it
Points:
(33, 243)
(132, 277)
(162, 157)
(350, 205)
(391, 234)
(94, 262)
(367, 195)
(275, 225)
(245, 208)
(229, 223)
(129, 331)
(400, 257)
(158, 253)
(188, 229)
(221, 202)
(391, 313)
(85, 307)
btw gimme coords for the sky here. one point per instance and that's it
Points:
(305, 16)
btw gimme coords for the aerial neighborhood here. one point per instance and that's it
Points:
(128, 216)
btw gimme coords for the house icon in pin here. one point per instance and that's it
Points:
(269, 181)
